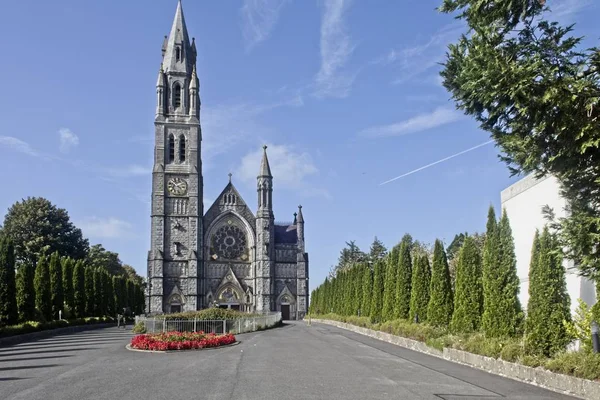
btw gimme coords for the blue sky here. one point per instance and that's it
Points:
(345, 93)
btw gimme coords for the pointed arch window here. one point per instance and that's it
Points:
(178, 53)
(181, 148)
(177, 95)
(171, 148)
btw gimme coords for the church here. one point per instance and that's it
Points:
(228, 256)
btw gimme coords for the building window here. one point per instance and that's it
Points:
(177, 95)
(171, 148)
(182, 148)
(178, 53)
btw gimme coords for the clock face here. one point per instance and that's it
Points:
(177, 186)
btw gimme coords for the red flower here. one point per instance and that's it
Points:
(180, 340)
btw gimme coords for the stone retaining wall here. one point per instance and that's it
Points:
(28, 337)
(570, 385)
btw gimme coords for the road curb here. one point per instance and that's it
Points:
(30, 337)
(555, 382)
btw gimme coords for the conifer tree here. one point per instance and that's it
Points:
(79, 293)
(419, 298)
(377, 295)
(96, 278)
(89, 292)
(403, 281)
(8, 289)
(67, 277)
(549, 303)
(358, 279)
(389, 286)
(109, 295)
(468, 296)
(56, 284)
(43, 293)
(367, 292)
(439, 309)
(117, 294)
(130, 295)
(26, 292)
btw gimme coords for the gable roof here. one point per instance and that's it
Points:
(286, 234)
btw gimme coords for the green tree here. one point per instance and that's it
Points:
(79, 290)
(43, 293)
(377, 294)
(389, 285)
(99, 257)
(452, 252)
(530, 83)
(349, 257)
(56, 285)
(97, 283)
(549, 303)
(116, 284)
(130, 273)
(419, 297)
(26, 292)
(8, 289)
(89, 292)
(440, 307)
(403, 281)
(367, 294)
(109, 295)
(67, 281)
(37, 227)
(468, 296)
(378, 251)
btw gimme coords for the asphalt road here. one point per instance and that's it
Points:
(293, 362)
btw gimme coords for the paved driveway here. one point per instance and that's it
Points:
(294, 362)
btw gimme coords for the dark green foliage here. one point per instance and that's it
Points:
(130, 294)
(26, 292)
(38, 227)
(549, 303)
(439, 309)
(403, 281)
(350, 256)
(367, 291)
(99, 257)
(468, 296)
(377, 294)
(109, 295)
(56, 285)
(117, 294)
(89, 291)
(502, 314)
(67, 277)
(97, 299)
(536, 90)
(378, 251)
(79, 290)
(8, 289)
(421, 280)
(389, 284)
(43, 293)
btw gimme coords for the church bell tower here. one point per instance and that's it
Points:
(174, 259)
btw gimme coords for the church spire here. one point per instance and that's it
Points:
(265, 169)
(178, 54)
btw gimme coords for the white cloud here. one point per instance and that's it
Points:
(68, 140)
(259, 17)
(129, 171)
(18, 145)
(110, 228)
(440, 116)
(336, 49)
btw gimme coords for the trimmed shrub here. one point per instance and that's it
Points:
(403, 280)
(440, 306)
(419, 299)
(468, 298)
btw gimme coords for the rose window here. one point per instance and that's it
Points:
(229, 242)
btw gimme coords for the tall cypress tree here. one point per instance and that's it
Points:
(389, 286)
(43, 294)
(403, 279)
(419, 298)
(439, 309)
(8, 289)
(89, 292)
(468, 297)
(56, 285)
(97, 292)
(549, 303)
(367, 294)
(26, 292)
(117, 295)
(110, 297)
(377, 296)
(67, 278)
(79, 290)
(491, 291)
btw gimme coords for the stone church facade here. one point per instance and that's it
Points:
(228, 257)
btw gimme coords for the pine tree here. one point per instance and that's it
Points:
(549, 303)
(440, 307)
(403, 281)
(377, 295)
(67, 277)
(389, 286)
(8, 289)
(89, 292)
(26, 292)
(79, 290)
(56, 285)
(419, 298)
(468, 297)
(43, 293)
(367, 292)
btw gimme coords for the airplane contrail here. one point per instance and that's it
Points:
(437, 162)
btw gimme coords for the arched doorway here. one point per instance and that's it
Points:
(230, 298)
(175, 303)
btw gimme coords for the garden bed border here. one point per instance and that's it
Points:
(128, 347)
(556, 382)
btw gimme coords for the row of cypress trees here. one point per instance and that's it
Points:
(54, 283)
(484, 297)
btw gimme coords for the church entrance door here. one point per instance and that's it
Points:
(285, 312)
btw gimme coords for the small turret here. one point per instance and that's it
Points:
(300, 229)
(194, 93)
(160, 92)
(265, 187)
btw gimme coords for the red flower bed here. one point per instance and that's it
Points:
(180, 341)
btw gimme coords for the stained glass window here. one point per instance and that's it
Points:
(229, 242)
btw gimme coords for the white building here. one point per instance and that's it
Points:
(523, 202)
